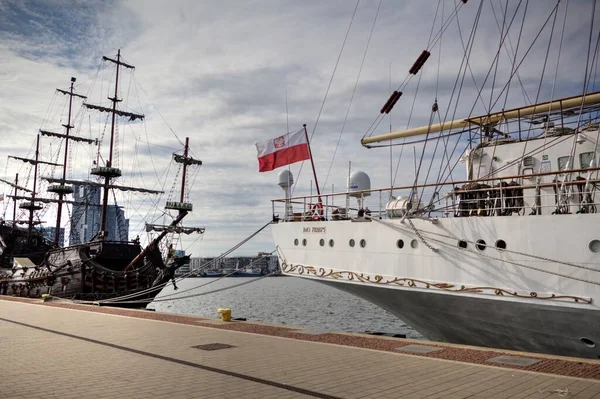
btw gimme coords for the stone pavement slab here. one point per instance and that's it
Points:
(64, 353)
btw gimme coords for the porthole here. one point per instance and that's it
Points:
(351, 243)
(322, 242)
(588, 342)
(414, 244)
(363, 243)
(331, 243)
(296, 242)
(480, 245)
(462, 244)
(594, 246)
(304, 242)
(400, 244)
(500, 245)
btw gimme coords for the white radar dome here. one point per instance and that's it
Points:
(358, 182)
(286, 178)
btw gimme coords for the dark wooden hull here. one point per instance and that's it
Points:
(93, 271)
(19, 242)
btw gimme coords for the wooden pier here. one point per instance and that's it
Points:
(61, 350)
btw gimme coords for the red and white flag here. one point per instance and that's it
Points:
(282, 150)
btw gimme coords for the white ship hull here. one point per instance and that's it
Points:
(536, 295)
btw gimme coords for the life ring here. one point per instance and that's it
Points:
(317, 211)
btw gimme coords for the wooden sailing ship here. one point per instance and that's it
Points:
(103, 267)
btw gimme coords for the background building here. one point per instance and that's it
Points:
(85, 220)
(265, 261)
(50, 232)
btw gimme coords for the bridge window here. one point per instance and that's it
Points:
(563, 162)
(585, 159)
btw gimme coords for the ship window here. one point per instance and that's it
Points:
(500, 245)
(351, 243)
(594, 246)
(480, 245)
(462, 244)
(331, 243)
(296, 242)
(563, 162)
(585, 159)
(414, 244)
(400, 243)
(322, 242)
(363, 243)
(588, 342)
(304, 242)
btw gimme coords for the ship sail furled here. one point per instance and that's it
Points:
(14, 185)
(62, 136)
(560, 105)
(173, 229)
(34, 161)
(96, 184)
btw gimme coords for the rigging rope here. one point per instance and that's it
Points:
(327, 91)
(353, 93)
(160, 286)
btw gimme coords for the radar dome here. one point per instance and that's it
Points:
(358, 182)
(286, 178)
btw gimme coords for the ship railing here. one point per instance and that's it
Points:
(572, 192)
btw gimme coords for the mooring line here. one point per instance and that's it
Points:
(182, 362)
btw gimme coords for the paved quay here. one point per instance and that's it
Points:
(60, 350)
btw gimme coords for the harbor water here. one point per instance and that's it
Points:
(280, 300)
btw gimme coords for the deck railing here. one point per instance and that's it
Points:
(571, 192)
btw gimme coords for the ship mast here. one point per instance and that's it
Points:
(181, 207)
(62, 189)
(109, 172)
(31, 206)
(15, 201)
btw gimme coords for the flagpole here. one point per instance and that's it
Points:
(313, 164)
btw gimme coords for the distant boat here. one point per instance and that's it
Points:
(249, 272)
(208, 273)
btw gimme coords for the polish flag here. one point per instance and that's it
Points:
(282, 150)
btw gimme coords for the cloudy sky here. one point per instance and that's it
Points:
(230, 73)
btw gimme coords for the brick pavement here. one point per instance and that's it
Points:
(65, 353)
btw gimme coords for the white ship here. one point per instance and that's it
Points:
(507, 258)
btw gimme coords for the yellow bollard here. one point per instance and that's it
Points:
(225, 314)
(45, 297)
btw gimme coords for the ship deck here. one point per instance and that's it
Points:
(66, 350)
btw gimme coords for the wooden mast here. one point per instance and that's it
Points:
(15, 201)
(109, 172)
(61, 193)
(107, 179)
(32, 207)
(185, 154)
(181, 207)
